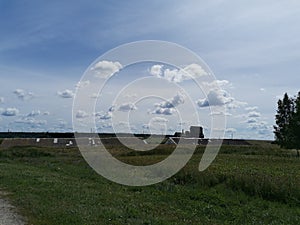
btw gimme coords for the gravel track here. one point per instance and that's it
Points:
(8, 214)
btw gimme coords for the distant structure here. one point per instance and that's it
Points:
(194, 132)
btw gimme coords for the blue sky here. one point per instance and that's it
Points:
(45, 47)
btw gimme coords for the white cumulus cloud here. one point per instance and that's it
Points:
(105, 69)
(191, 71)
(156, 70)
(34, 113)
(104, 116)
(262, 127)
(251, 120)
(164, 111)
(173, 102)
(81, 114)
(167, 107)
(253, 114)
(195, 70)
(46, 113)
(216, 97)
(10, 112)
(23, 95)
(252, 108)
(219, 96)
(125, 107)
(66, 93)
(81, 84)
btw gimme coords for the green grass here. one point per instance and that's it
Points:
(257, 184)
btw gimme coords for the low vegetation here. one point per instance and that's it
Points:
(256, 184)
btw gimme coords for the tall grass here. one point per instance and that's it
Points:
(56, 186)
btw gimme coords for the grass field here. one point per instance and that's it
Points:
(257, 184)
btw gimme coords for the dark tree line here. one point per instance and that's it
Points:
(287, 128)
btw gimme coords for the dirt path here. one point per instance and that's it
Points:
(8, 215)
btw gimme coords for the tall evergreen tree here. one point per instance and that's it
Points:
(294, 127)
(287, 129)
(283, 119)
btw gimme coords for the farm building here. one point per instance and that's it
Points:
(194, 132)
